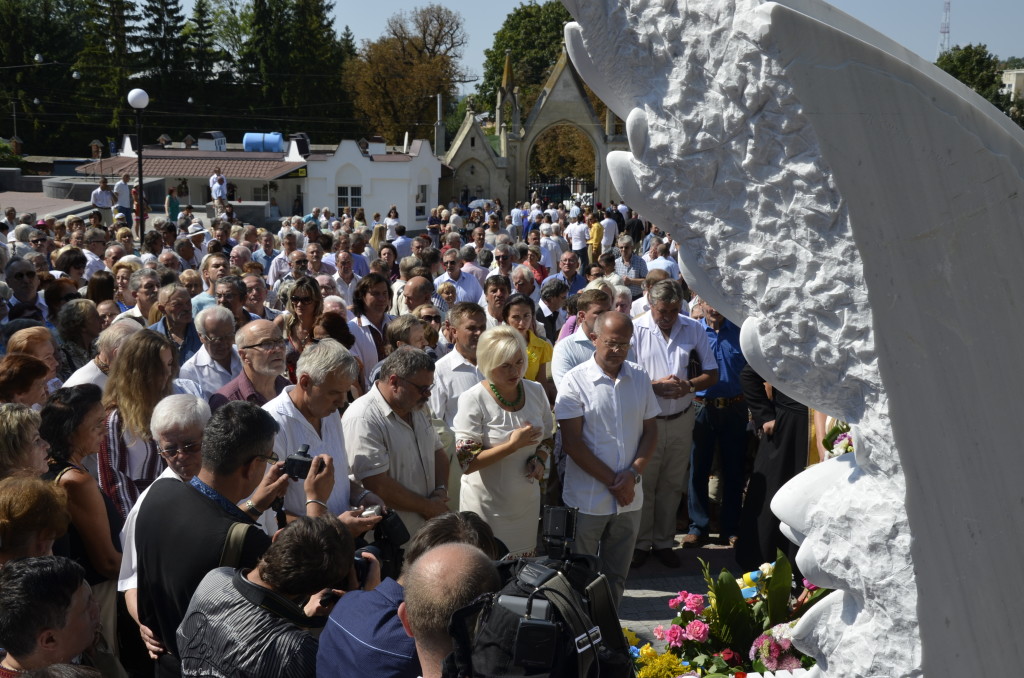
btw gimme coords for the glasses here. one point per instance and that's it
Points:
(453, 262)
(431, 318)
(424, 390)
(37, 241)
(175, 450)
(214, 339)
(300, 263)
(267, 345)
(615, 346)
(23, 275)
(271, 458)
(302, 300)
(501, 258)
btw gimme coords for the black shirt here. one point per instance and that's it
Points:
(179, 535)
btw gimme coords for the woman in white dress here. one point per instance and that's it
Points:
(503, 436)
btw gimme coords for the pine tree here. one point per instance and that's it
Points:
(201, 56)
(163, 56)
(106, 60)
(348, 43)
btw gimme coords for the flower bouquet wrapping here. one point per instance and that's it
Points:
(743, 625)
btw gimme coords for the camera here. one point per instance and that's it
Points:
(372, 511)
(297, 465)
(559, 530)
(362, 565)
(391, 529)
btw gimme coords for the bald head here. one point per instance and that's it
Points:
(417, 292)
(613, 322)
(438, 583)
(253, 332)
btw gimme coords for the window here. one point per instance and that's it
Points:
(350, 196)
(261, 193)
(421, 201)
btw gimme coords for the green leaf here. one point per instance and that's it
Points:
(778, 591)
(737, 627)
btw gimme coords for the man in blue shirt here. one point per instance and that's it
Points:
(569, 265)
(721, 421)
(266, 252)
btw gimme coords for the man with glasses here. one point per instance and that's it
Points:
(230, 292)
(261, 350)
(606, 411)
(26, 300)
(467, 288)
(504, 261)
(308, 415)
(393, 449)
(217, 362)
(664, 341)
(95, 244)
(182, 528)
(569, 265)
(298, 263)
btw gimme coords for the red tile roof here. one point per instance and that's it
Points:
(197, 164)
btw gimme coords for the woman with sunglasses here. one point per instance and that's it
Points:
(433, 321)
(305, 305)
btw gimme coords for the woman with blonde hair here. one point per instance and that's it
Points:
(22, 450)
(122, 274)
(503, 436)
(139, 379)
(124, 236)
(378, 237)
(520, 313)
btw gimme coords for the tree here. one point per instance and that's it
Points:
(348, 43)
(1014, 63)
(106, 60)
(201, 57)
(164, 23)
(394, 79)
(977, 68)
(533, 34)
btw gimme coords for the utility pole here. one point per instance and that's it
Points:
(944, 45)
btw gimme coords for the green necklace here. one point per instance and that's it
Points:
(518, 400)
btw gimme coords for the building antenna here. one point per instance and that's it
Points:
(944, 45)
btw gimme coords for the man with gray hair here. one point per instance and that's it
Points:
(95, 243)
(630, 266)
(308, 415)
(144, 288)
(392, 446)
(108, 344)
(467, 286)
(217, 362)
(504, 260)
(664, 340)
(471, 265)
(260, 346)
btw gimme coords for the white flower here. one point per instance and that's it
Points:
(767, 569)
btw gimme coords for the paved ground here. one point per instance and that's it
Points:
(39, 204)
(649, 588)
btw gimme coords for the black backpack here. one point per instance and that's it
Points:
(551, 618)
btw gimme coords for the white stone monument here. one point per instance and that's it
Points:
(861, 214)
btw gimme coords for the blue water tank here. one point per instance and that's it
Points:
(270, 142)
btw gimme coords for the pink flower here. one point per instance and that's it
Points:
(677, 602)
(695, 603)
(659, 632)
(697, 630)
(675, 636)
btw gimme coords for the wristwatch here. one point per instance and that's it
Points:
(693, 389)
(636, 475)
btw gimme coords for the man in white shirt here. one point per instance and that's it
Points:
(217, 362)
(663, 341)
(606, 410)
(579, 346)
(456, 373)
(345, 279)
(467, 288)
(219, 192)
(102, 199)
(95, 244)
(664, 262)
(611, 232)
(123, 191)
(308, 415)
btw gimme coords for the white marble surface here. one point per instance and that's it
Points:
(859, 212)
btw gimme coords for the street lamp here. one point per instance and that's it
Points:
(138, 99)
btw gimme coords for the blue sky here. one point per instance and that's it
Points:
(912, 23)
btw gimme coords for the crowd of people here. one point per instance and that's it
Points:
(203, 426)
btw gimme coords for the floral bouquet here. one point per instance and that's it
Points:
(743, 625)
(838, 440)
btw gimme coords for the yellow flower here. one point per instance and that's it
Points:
(631, 637)
(647, 652)
(662, 666)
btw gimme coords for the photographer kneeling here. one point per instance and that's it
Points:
(251, 622)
